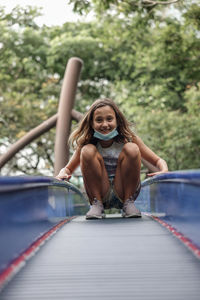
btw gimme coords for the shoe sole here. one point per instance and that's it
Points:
(95, 217)
(132, 216)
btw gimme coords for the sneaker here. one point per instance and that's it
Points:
(96, 210)
(129, 209)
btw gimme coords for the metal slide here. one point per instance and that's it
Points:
(155, 257)
(109, 259)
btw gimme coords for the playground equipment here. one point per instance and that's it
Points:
(108, 259)
(114, 258)
(66, 104)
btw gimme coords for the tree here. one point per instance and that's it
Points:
(148, 63)
(25, 85)
(127, 6)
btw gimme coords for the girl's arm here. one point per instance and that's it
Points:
(152, 161)
(66, 172)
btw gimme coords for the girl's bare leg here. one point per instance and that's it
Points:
(95, 176)
(127, 175)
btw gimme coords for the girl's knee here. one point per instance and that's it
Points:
(88, 152)
(131, 150)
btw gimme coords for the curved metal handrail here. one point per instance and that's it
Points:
(186, 176)
(33, 134)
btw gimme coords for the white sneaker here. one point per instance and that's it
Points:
(129, 209)
(96, 210)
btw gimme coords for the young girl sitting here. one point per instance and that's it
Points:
(109, 155)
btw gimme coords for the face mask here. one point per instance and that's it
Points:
(106, 137)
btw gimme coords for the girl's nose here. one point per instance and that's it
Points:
(105, 124)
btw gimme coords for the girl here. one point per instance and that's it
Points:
(109, 155)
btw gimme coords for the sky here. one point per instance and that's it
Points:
(56, 12)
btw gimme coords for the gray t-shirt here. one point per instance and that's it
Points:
(110, 156)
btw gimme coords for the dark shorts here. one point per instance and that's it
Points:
(112, 200)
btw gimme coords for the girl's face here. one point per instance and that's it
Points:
(104, 119)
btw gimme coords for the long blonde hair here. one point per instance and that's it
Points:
(83, 134)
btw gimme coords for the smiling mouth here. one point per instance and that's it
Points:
(105, 131)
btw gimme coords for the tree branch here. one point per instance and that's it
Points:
(153, 2)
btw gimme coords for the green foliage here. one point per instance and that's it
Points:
(192, 16)
(25, 84)
(127, 6)
(174, 136)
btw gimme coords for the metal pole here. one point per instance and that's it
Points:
(33, 134)
(66, 103)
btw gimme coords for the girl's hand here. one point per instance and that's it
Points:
(162, 166)
(156, 173)
(64, 174)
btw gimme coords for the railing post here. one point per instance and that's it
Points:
(66, 103)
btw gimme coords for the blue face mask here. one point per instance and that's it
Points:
(106, 137)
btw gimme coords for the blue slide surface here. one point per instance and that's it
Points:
(31, 205)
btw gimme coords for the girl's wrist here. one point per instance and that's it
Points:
(67, 170)
(164, 170)
(162, 165)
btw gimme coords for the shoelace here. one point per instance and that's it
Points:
(96, 202)
(129, 201)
